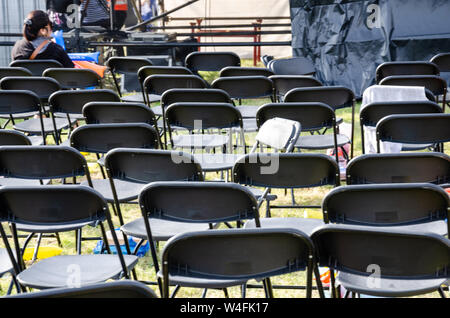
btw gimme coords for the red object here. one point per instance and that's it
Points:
(99, 69)
(448, 191)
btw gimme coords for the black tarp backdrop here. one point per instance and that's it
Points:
(348, 39)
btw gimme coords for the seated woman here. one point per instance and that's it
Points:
(37, 43)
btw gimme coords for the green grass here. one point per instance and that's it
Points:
(145, 269)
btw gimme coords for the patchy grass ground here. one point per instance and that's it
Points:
(145, 269)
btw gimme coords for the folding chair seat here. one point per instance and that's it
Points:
(246, 87)
(292, 66)
(36, 67)
(74, 78)
(147, 71)
(337, 97)
(372, 113)
(69, 205)
(415, 129)
(211, 61)
(171, 208)
(430, 167)
(245, 71)
(14, 71)
(402, 263)
(284, 83)
(128, 67)
(405, 68)
(312, 117)
(437, 85)
(116, 289)
(263, 253)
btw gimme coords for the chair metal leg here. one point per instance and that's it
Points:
(36, 249)
(244, 290)
(175, 291)
(225, 292)
(441, 292)
(204, 293)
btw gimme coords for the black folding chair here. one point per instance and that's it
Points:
(420, 207)
(65, 207)
(337, 97)
(69, 104)
(13, 138)
(415, 129)
(435, 84)
(405, 68)
(442, 61)
(171, 208)
(209, 259)
(245, 71)
(128, 67)
(147, 71)
(211, 61)
(430, 167)
(116, 289)
(372, 113)
(382, 262)
(292, 66)
(36, 67)
(284, 83)
(14, 71)
(74, 78)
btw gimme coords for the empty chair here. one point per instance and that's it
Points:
(415, 129)
(14, 71)
(147, 71)
(337, 97)
(263, 253)
(245, 71)
(42, 86)
(399, 168)
(405, 68)
(420, 207)
(128, 67)
(211, 61)
(246, 87)
(442, 61)
(312, 117)
(372, 113)
(381, 262)
(73, 78)
(13, 138)
(292, 66)
(116, 289)
(171, 208)
(36, 67)
(69, 205)
(284, 83)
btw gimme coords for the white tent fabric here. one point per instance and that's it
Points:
(237, 8)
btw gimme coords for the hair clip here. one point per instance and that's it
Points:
(28, 22)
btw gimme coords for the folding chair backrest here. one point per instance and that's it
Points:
(284, 83)
(117, 112)
(386, 204)
(42, 86)
(149, 165)
(41, 162)
(158, 84)
(286, 170)
(147, 71)
(437, 85)
(211, 61)
(127, 65)
(72, 78)
(245, 71)
(245, 87)
(311, 116)
(13, 138)
(73, 101)
(198, 202)
(18, 101)
(176, 95)
(334, 96)
(203, 115)
(414, 128)
(405, 68)
(36, 67)
(237, 254)
(354, 248)
(14, 71)
(293, 66)
(116, 289)
(100, 138)
(372, 113)
(278, 133)
(442, 61)
(399, 168)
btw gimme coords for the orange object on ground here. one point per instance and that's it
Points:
(448, 191)
(99, 69)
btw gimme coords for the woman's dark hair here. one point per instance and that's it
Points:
(35, 21)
